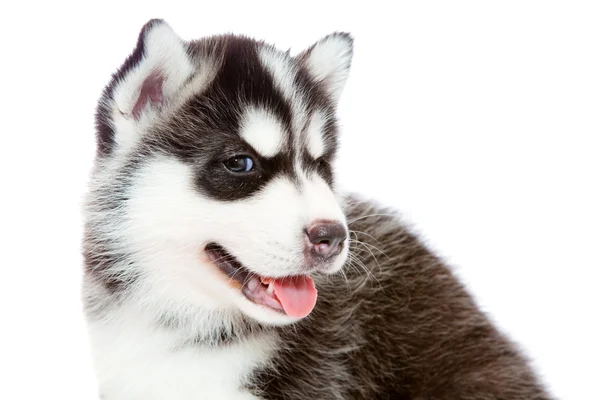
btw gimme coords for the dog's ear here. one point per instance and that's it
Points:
(148, 79)
(328, 62)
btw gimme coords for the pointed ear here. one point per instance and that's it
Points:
(328, 61)
(148, 79)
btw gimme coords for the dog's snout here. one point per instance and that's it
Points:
(326, 238)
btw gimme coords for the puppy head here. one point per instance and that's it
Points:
(214, 186)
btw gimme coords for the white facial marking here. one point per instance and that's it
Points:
(263, 131)
(319, 201)
(314, 135)
(267, 239)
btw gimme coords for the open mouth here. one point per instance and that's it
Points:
(295, 296)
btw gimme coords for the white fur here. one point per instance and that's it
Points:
(329, 62)
(263, 131)
(135, 360)
(314, 135)
(165, 53)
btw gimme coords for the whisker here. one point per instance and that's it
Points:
(368, 216)
(366, 234)
(363, 266)
(370, 246)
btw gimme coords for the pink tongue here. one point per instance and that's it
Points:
(297, 295)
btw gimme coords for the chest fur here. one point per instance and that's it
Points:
(134, 363)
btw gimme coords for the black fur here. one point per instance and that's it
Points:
(403, 329)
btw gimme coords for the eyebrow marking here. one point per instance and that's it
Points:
(263, 131)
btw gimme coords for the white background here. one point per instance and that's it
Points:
(480, 122)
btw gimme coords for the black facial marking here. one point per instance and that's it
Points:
(210, 133)
(320, 166)
(323, 165)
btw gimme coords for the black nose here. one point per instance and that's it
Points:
(326, 238)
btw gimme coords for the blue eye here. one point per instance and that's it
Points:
(239, 164)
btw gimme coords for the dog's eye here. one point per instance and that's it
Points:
(239, 164)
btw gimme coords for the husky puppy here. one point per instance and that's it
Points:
(221, 262)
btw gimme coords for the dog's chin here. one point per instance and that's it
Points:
(269, 300)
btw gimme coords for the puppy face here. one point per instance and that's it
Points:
(214, 186)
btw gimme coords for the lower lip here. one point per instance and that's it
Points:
(269, 302)
(246, 288)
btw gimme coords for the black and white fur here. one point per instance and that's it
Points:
(391, 320)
